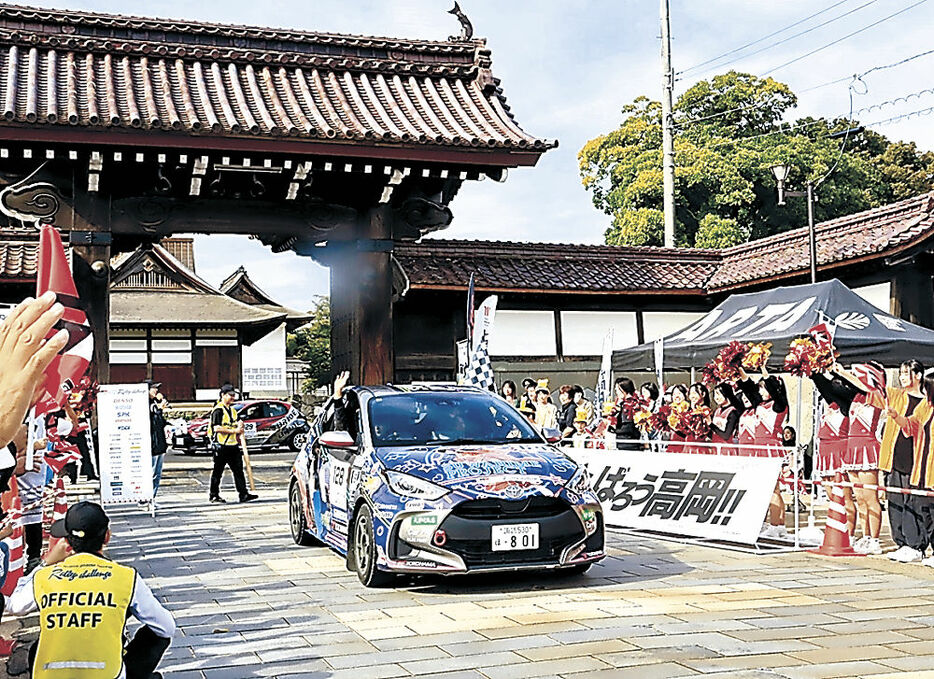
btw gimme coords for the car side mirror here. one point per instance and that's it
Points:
(337, 439)
(551, 435)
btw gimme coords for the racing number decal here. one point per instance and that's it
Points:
(340, 472)
(249, 428)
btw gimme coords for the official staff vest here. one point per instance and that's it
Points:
(83, 603)
(230, 417)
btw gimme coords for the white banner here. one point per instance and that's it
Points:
(722, 497)
(463, 360)
(483, 320)
(125, 443)
(264, 365)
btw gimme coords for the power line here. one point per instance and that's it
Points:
(847, 78)
(791, 37)
(802, 126)
(845, 37)
(765, 37)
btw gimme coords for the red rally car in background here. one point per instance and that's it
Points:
(267, 424)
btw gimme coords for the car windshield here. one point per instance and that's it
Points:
(422, 418)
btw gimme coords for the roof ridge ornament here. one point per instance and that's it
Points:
(466, 26)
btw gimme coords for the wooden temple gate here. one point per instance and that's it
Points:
(123, 130)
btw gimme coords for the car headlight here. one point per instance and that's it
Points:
(411, 486)
(580, 482)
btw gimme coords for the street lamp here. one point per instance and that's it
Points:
(781, 173)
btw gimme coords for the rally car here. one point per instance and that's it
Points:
(266, 424)
(440, 480)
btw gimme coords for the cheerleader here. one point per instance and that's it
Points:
(627, 434)
(920, 426)
(770, 400)
(649, 391)
(896, 460)
(699, 397)
(833, 432)
(725, 421)
(861, 460)
(679, 395)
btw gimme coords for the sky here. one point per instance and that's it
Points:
(568, 67)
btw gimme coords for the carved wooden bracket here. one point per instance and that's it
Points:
(38, 202)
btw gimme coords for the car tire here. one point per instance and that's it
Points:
(298, 524)
(578, 569)
(364, 551)
(297, 441)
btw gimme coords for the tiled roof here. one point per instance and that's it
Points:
(19, 257)
(566, 268)
(106, 71)
(600, 268)
(885, 229)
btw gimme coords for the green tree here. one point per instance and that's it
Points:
(312, 343)
(728, 134)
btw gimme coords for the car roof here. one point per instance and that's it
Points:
(393, 389)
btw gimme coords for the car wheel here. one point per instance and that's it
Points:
(364, 551)
(297, 441)
(297, 522)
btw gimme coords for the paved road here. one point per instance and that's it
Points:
(251, 604)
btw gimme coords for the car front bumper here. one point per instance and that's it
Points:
(568, 536)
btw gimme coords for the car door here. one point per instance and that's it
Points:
(252, 416)
(336, 473)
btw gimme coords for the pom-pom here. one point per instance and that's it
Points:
(757, 355)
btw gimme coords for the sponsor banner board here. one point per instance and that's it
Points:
(125, 443)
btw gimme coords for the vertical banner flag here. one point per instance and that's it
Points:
(470, 309)
(479, 367)
(54, 273)
(659, 347)
(463, 359)
(604, 390)
(483, 320)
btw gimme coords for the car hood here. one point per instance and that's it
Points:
(506, 470)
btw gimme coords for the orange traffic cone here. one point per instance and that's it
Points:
(836, 534)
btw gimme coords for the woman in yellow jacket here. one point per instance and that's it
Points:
(920, 425)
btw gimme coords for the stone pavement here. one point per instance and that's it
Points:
(249, 603)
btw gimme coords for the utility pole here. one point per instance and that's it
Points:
(668, 142)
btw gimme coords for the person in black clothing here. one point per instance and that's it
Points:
(567, 411)
(527, 398)
(159, 446)
(627, 434)
(226, 427)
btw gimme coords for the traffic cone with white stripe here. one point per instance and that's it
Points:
(836, 534)
(15, 545)
(59, 508)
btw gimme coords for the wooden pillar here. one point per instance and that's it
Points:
(91, 265)
(361, 301)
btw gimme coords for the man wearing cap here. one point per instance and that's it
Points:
(84, 600)
(226, 427)
(159, 445)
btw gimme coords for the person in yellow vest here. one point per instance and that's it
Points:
(225, 431)
(84, 601)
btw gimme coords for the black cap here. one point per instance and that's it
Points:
(82, 520)
(228, 389)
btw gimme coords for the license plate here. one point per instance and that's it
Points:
(179, 441)
(515, 536)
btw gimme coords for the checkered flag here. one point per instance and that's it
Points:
(479, 369)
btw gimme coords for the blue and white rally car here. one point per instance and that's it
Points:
(440, 480)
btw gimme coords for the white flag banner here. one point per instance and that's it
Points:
(463, 359)
(604, 389)
(483, 321)
(723, 497)
(659, 347)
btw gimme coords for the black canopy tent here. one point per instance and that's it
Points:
(862, 333)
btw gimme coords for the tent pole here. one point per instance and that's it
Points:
(794, 459)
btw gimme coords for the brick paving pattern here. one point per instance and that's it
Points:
(249, 603)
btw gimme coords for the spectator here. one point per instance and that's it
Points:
(568, 410)
(627, 434)
(725, 421)
(546, 413)
(649, 391)
(111, 593)
(581, 436)
(580, 399)
(25, 357)
(896, 460)
(157, 405)
(508, 393)
(225, 430)
(528, 397)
